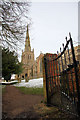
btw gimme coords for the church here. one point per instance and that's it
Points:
(31, 68)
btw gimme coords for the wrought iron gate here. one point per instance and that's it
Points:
(61, 82)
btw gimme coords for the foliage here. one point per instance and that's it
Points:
(13, 19)
(33, 91)
(10, 64)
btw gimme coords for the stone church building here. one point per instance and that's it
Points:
(31, 68)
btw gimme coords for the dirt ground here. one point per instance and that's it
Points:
(16, 105)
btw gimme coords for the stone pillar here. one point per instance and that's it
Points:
(26, 79)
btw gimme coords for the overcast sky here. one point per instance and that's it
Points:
(51, 23)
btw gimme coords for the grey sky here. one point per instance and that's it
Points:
(52, 21)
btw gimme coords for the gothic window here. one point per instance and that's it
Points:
(26, 75)
(29, 56)
(22, 76)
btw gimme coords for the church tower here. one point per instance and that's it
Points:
(28, 58)
(27, 42)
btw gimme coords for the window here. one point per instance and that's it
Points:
(22, 76)
(29, 56)
(26, 75)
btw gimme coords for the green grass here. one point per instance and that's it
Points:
(32, 91)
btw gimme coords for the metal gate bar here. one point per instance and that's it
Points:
(61, 78)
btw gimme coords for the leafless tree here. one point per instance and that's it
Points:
(13, 22)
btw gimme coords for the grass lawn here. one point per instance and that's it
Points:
(33, 91)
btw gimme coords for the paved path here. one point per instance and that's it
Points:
(15, 103)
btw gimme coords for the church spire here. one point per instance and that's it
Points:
(27, 42)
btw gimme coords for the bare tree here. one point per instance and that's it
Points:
(13, 22)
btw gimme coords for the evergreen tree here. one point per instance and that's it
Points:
(10, 64)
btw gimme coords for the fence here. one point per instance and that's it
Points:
(61, 79)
